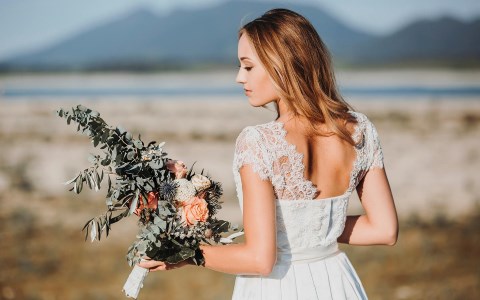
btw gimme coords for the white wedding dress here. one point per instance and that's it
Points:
(309, 264)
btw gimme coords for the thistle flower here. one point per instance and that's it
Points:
(167, 190)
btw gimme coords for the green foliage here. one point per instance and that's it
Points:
(132, 171)
(136, 169)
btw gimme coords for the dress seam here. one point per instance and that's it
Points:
(314, 286)
(281, 291)
(296, 283)
(328, 277)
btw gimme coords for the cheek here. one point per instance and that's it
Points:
(264, 90)
(268, 91)
(271, 90)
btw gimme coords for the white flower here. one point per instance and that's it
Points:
(185, 190)
(200, 182)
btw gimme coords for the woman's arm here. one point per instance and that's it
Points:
(257, 255)
(379, 226)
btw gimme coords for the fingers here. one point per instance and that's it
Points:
(151, 264)
(163, 267)
(156, 265)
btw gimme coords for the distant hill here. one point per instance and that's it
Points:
(442, 40)
(143, 40)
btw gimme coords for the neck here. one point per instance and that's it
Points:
(284, 113)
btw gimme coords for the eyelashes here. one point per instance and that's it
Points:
(246, 68)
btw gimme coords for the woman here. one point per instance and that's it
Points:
(294, 175)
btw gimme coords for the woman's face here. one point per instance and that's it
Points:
(252, 75)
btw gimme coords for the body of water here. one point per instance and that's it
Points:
(405, 84)
(394, 91)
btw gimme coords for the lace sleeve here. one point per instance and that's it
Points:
(250, 149)
(376, 159)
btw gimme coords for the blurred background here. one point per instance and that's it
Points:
(166, 70)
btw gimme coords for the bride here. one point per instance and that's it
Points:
(295, 175)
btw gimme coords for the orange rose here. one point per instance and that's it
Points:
(177, 167)
(194, 210)
(152, 202)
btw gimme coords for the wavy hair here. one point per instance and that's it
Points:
(300, 66)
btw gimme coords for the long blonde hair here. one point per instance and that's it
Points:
(300, 66)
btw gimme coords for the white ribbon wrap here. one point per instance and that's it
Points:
(229, 239)
(135, 282)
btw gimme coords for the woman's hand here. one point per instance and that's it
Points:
(156, 265)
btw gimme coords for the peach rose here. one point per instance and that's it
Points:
(152, 202)
(177, 167)
(194, 210)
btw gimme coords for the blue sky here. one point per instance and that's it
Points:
(26, 25)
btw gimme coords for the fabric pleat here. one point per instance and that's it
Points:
(331, 278)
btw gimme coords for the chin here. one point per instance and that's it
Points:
(258, 103)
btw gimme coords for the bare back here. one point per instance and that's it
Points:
(328, 160)
(302, 168)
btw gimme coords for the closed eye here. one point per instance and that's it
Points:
(246, 68)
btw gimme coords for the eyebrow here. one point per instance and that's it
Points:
(244, 57)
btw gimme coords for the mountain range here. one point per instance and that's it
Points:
(143, 40)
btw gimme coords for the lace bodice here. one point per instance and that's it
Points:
(302, 222)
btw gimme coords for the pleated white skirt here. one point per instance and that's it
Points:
(332, 277)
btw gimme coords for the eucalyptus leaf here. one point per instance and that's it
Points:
(109, 183)
(96, 141)
(142, 247)
(134, 203)
(78, 184)
(114, 153)
(120, 130)
(138, 144)
(105, 136)
(71, 180)
(97, 181)
(93, 231)
(105, 162)
(92, 158)
(89, 181)
(131, 155)
(155, 230)
(99, 230)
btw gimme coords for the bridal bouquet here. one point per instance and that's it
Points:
(176, 207)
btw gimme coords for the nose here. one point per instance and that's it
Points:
(240, 77)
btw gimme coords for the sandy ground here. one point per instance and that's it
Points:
(431, 148)
(432, 157)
